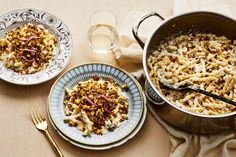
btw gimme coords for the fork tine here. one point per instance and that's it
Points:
(37, 115)
(40, 114)
(41, 124)
(32, 114)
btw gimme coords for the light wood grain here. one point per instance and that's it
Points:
(19, 137)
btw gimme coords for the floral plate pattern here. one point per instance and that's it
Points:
(84, 72)
(20, 17)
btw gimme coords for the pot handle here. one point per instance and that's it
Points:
(138, 23)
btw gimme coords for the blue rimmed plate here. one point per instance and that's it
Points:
(55, 26)
(108, 146)
(84, 72)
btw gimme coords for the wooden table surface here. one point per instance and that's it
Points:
(18, 135)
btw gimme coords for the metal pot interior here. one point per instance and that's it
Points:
(196, 21)
(207, 22)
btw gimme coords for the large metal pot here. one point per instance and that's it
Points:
(207, 21)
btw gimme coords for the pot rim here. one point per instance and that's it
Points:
(146, 70)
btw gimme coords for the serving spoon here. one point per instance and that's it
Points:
(186, 87)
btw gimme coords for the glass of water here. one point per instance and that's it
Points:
(102, 35)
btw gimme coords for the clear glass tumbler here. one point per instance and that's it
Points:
(102, 35)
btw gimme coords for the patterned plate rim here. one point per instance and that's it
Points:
(97, 63)
(108, 146)
(24, 80)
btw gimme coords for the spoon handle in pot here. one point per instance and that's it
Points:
(214, 96)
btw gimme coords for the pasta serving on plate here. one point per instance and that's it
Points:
(200, 60)
(95, 106)
(27, 49)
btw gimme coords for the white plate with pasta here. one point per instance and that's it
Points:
(35, 46)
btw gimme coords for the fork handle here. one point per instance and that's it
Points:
(54, 145)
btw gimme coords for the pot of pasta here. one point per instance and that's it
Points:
(197, 49)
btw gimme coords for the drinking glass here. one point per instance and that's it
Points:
(102, 35)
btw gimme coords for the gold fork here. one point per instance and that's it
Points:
(41, 124)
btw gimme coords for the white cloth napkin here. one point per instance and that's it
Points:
(190, 145)
(218, 6)
(128, 52)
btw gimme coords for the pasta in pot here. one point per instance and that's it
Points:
(200, 60)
